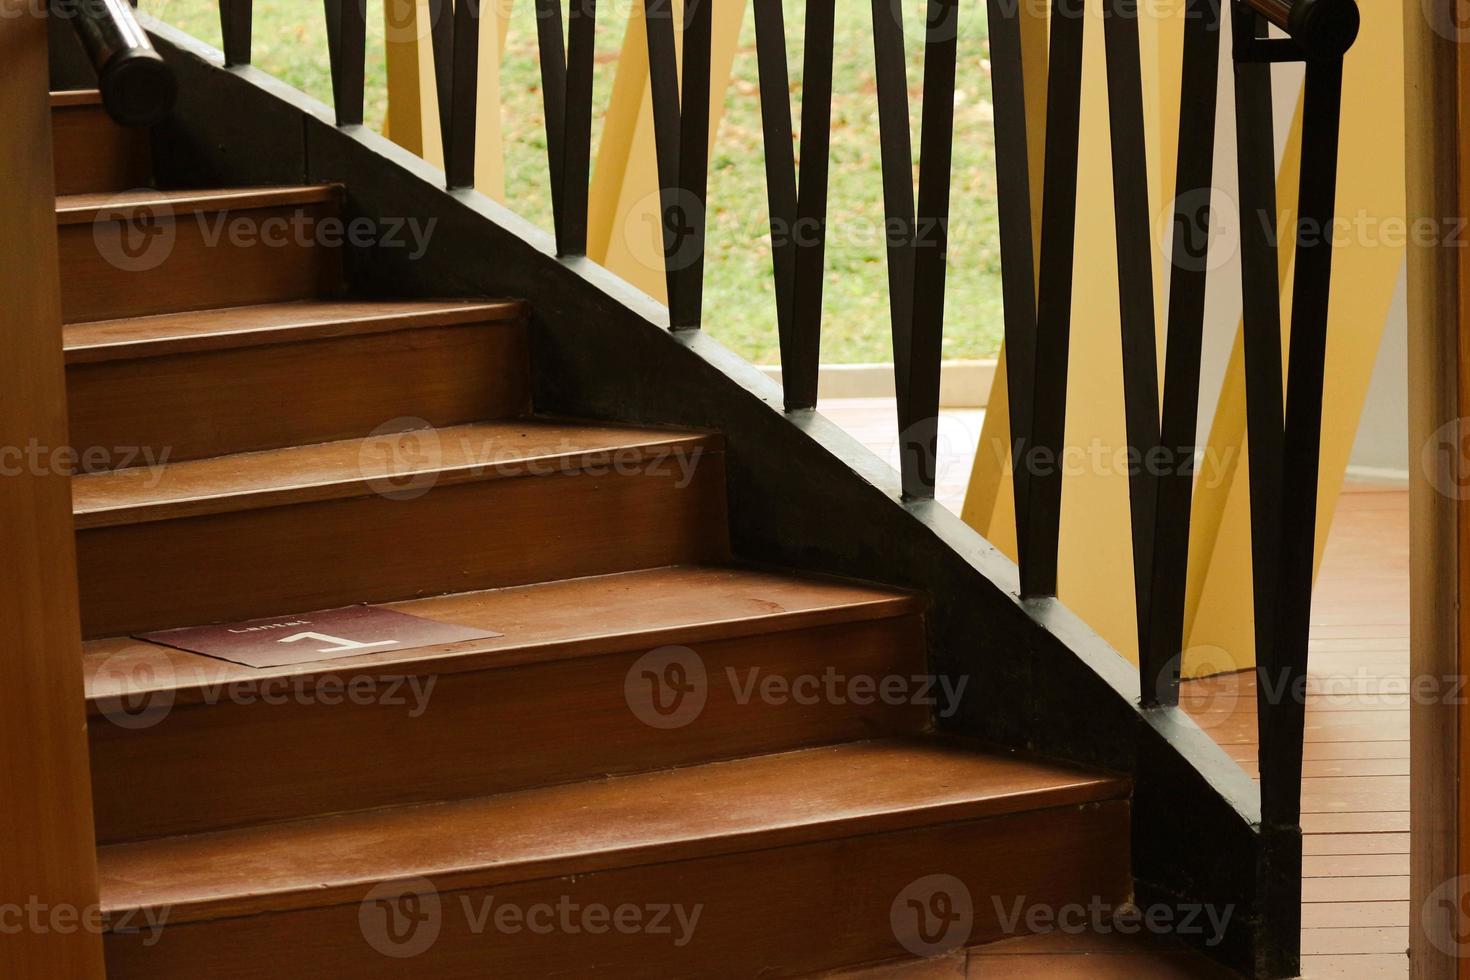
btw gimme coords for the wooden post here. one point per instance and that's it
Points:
(48, 864)
(1436, 70)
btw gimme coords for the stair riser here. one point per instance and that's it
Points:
(93, 154)
(451, 538)
(214, 765)
(186, 262)
(785, 911)
(187, 406)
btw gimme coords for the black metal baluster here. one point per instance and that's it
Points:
(1261, 331)
(1135, 290)
(347, 50)
(1017, 262)
(459, 147)
(896, 155)
(685, 215)
(455, 33)
(576, 170)
(566, 93)
(798, 218)
(1038, 548)
(918, 411)
(681, 143)
(1163, 602)
(441, 36)
(663, 84)
(1285, 453)
(235, 18)
(553, 99)
(777, 135)
(1283, 719)
(810, 229)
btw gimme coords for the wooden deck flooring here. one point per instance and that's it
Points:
(1355, 780)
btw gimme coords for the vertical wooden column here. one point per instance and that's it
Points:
(1437, 68)
(48, 869)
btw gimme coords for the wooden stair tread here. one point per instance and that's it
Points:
(360, 467)
(596, 615)
(718, 808)
(72, 209)
(269, 323)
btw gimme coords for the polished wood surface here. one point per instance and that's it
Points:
(1356, 910)
(236, 327)
(1108, 955)
(573, 618)
(779, 912)
(46, 854)
(1437, 282)
(395, 463)
(236, 564)
(92, 152)
(771, 801)
(85, 208)
(198, 261)
(187, 405)
(234, 758)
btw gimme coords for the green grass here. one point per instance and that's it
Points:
(290, 42)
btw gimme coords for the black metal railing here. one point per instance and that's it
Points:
(1037, 284)
(1285, 447)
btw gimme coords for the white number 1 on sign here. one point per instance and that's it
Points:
(304, 638)
(339, 645)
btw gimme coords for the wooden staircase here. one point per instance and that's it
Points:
(253, 441)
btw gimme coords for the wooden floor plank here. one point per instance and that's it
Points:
(1355, 915)
(1355, 792)
(1374, 967)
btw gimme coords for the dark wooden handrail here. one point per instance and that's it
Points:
(1323, 28)
(138, 87)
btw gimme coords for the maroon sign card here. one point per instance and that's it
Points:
(328, 634)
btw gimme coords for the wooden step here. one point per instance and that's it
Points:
(792, 863)
(388, 517)
(144, 252)
(232, 380)
(183, 743)
(92, 153)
